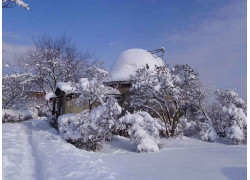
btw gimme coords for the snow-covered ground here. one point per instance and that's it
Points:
(34, 150)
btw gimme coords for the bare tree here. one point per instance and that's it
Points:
(54, 60)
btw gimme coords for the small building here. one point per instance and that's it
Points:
(125, 66)
(62, 99)
(64, 96)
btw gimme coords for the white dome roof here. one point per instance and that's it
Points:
(131, 60)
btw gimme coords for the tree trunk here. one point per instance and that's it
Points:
(167, 133)
(175, 121)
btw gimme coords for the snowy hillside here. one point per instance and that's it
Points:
(34, 150)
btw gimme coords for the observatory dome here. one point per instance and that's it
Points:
(131, 60)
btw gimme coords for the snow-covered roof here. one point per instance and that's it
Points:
(50, 95)
(65, 86)
(131, 60)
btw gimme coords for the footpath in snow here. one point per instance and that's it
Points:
(34, 150)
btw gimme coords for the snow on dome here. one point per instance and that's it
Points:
(131, 60)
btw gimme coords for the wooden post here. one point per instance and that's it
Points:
(63, 102)
(54, 106)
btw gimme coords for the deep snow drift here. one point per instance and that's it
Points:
(34, 150)
(131, 60)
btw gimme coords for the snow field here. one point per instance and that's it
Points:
(185, 158)
(34, 150)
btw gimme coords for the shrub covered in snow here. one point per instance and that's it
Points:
(80, 130)
(89, 129)
(235, 133)
(143, 130)
(189, 127)
(229, 115)
(68, 126)
(106, 116)
(16, 90)
(207, 132)
(18, 94)
(169, 94)
(92, 90)
(9, 115)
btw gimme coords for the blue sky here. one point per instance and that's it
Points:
(208, 35)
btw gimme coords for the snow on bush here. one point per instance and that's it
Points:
(207, 132)
(189, 127)
(235, 133)
(168, 94)
(16, 90)
(9, 115)
(18, 93)
(80, 130)
(229, 115)
(106, 117)
(92, 90)
(143, 130)
(89, 129)
(68, 126)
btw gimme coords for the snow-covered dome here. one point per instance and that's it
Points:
(130, 60)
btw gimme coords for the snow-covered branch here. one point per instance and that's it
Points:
(11, 3)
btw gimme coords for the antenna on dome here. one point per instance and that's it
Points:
(162, 50)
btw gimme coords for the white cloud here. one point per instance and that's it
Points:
(11, 52)
(216, 48)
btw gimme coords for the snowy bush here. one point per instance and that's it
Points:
(169, 94)
(16, 89)
(106, 117)
(189, 127)
(89, 129)
(201, 127)
(235, 133)
(80, 130)
(229, 115)
(9, 115)
(207, 132)
(93, 91)
(18, 94)
(143, 130)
